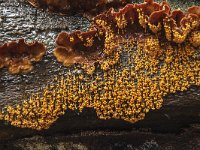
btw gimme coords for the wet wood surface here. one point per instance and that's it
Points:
(179, 115)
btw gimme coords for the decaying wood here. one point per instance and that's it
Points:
(179, 111)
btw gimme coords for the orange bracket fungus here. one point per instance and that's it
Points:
(149, 23)
(65, 6)
(132, 58)
(18, 56)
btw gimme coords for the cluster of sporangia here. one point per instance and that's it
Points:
(144, 52)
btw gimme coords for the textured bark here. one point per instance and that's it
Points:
(70, 6)
(104, 140)
(179, 111)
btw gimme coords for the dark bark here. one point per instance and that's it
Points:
(179, 112)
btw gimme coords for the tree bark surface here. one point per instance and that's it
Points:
(175, 126)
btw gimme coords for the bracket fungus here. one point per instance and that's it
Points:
(149, 22)
(66, 6)
(143, 52)
(18, 56)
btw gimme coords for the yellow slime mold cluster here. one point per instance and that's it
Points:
(139, 70)
(127, 90)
